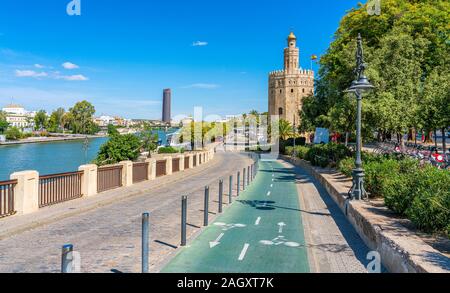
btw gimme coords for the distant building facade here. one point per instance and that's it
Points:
(17, 116)
(289, 86)
(167, 106)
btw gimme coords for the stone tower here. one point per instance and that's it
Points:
(289, 86)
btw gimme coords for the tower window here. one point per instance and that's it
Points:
(292, 90)
(280, 111)
(281, 91)
(303, 90)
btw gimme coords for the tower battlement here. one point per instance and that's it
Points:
(301, 72)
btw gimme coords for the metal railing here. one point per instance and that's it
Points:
(186, 163)
(195, 160)
(7, 198)
(109, 178)
(140, 172)
(161, 168)
(175, 165)
(57, 188)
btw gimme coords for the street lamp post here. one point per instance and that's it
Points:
(360, 85)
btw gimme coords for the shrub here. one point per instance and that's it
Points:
(377, 173)
(397, 192)
(170, 150)
(119, 148)
(327, 155)
(346, 166)
(13, 133)
(299, 150)
(430, 209)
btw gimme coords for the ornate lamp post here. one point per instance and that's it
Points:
(360, 85)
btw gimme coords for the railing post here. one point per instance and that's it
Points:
(238, 183)
(168, 165)
(220, 196)
(26, 192)
(230, 189)
(181, 162)
(206, 207)
(151, 168)
(248, 176)
(183, 220)
(67, 259)
(89, 180)
(243, 179)
(145, 242)
(127, 173)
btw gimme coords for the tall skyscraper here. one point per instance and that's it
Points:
(167, 111)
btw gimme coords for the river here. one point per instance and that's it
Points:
(51, 157)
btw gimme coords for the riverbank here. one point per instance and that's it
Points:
(69, 137)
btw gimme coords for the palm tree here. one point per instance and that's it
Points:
(285, 129)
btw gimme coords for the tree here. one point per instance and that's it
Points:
(40, 120)
(56, 122)
(149, 140)
(285, 129)
(3, 123)
(82, 122)
(403, 46)
(119, 148)
(13, 133)
(112, 130)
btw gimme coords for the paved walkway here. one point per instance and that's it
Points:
(285, 222)
(107, 233)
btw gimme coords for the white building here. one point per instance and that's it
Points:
(17, 116)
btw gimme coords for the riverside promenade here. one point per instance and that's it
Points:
(106, 229)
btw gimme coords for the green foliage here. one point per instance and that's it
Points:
(81, 118)
(119, 148)
(55, 122)
(112, 130)
(407, 53)
(346, 166)
(430, 207)
(3, 123)
(40, 120)
(149, 141)
(170, 150)
(300, 151)
(327, 154)
(13, 133)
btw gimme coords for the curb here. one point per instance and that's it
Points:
(401, 250)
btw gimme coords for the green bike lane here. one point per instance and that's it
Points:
(261, 232)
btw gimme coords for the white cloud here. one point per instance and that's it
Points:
(208, 86)
(30, 73)
(199, 44)
(70, 66)
(77, 77)
(39, 66)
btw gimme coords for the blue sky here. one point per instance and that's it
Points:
(121, 54)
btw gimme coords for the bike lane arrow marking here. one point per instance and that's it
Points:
(216, 242)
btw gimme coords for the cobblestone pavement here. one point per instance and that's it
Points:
(108, 238)
(334, 245)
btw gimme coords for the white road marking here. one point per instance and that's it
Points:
(243, 252)
(271, 185)
(258, 221)
(216, 242)
(268, 193)
(281, 225)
